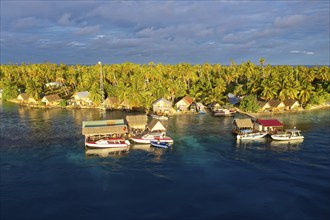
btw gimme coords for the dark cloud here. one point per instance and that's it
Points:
(165, 31)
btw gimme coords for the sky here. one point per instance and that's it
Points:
(283, 32)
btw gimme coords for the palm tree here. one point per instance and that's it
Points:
(307, 90)
(262, 62)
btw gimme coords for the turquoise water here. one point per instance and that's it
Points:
(47, 174)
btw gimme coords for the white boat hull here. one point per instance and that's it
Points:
(108, 144)
(147, 141)
(251, 136)
(290, 134)
(286, 137)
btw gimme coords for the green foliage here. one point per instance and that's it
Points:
(9, 92)
(140, 85)
(319, 98)
(249, 104)
(63, 103)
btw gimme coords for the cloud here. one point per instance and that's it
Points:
(289, 21)
(88, 30)
(302, 52)
(99, 36)
(65, 19)
(165, 31)
(25, 23)
(76, 44)
(43, 43)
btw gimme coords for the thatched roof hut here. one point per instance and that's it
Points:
(243, 123)
(263, 105)
(155, 125)
(51, 99)
(23, 97)
(104, 127)
(291, 104)
(111, 102)
(276, 103)
(105, 130)
(137, 121)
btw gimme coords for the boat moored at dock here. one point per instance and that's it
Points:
(289, 134)
(224, 112)
(105, 133)
(145, 139)
(251, 135)
(161, 144)
(108, 143)
(155, 131)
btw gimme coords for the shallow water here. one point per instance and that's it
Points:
(47, 174)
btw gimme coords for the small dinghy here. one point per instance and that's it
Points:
(160, 144)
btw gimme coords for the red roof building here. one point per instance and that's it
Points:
(270, 122)
(270, 125)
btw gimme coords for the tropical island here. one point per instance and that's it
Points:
(137, 86)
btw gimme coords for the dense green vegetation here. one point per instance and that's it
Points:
(143, 84)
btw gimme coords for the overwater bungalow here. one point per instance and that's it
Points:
(136, 123)
(242, 126)
(272, 126)
(156, 126)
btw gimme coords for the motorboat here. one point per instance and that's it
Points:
(289, 134)
(251, 136)
(108, 143)
(145, 139)
(161, 144)
(224, 112)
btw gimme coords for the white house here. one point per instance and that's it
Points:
(184, 103)
(161, 105)
(82, 98)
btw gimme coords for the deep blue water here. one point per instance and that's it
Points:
(46, 173)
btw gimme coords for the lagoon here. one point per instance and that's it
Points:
(47, 174)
